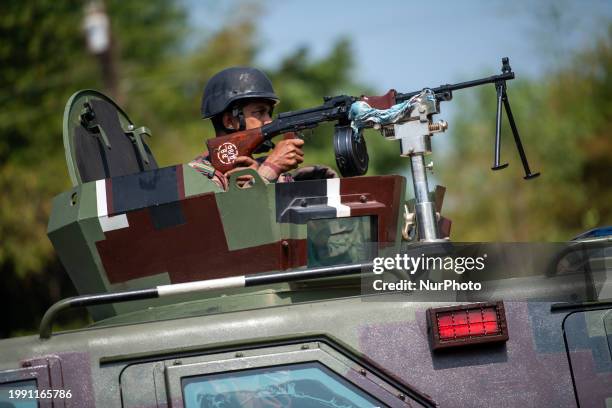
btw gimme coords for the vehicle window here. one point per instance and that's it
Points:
(309, 385)
(340, 240)
(588, 347)
(19, 394)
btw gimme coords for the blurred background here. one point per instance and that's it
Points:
(154, 57)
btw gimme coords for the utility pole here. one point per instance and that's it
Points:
(96, 25)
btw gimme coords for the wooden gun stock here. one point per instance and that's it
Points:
(223, 150)
(381, 102)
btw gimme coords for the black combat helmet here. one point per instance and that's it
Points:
(233, 84)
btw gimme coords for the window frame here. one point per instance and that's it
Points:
(270, 357)
(37, 373)
(371, 241)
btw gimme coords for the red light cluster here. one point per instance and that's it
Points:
(468, 324)
(465, 323)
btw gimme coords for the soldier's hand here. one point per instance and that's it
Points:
(287, 155)
(243, 162)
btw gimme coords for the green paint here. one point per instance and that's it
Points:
(63, 212)
(231, 300)
(73, 230)
(196, 183)
(248, 215)
(293, 231)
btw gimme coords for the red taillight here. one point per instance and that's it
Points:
(468, 324)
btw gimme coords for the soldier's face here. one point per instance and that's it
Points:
(256, 114)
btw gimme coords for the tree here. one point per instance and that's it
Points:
(43, 62)
(564, 121)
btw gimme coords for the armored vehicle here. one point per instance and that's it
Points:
(254, 297)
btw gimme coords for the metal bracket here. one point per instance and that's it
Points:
(87, 120)
(409, 221)
(415, 142)
(135, 136)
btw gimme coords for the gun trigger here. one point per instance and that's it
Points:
(264, 147)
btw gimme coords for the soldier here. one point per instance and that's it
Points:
(242, 98)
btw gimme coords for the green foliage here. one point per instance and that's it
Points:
(35, 75)
(564, 122)
(43, 37)
(147, 32)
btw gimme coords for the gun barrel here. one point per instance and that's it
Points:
(506, 76)
(336, 108)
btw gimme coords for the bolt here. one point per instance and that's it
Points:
(239, 354)
(402, 397)
(363, 198)
(177, 362)
(130, 127)
(303, 202)
(438, 127)
(305, 346)
(26, 364)
(429, 166)
(388, 131)
(363, 371)
(285, 244)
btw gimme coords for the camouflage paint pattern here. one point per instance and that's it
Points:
(141, 230)
(530, 370)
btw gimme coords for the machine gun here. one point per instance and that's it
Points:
(414, 130)
(350, 153)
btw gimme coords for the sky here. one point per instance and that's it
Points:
(408, 44)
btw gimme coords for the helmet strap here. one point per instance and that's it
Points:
(237, 113)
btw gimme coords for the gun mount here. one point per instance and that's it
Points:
(414, 132)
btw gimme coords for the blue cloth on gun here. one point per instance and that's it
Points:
(363, 115)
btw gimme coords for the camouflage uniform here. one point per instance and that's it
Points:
(203, 166)
(268, 172)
